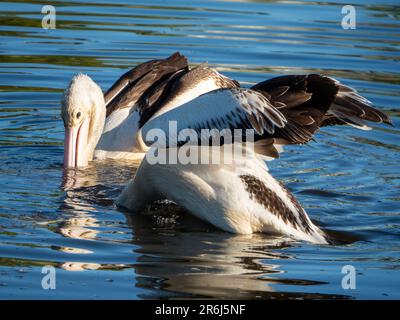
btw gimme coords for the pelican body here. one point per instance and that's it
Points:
(240, 196)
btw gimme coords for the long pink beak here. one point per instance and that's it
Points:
(75, 145)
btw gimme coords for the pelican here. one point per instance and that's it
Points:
(240, 196)
(101, 126)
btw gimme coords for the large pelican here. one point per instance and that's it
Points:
(101, 126)
(240, 197)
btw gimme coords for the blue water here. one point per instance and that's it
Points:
(348, 180)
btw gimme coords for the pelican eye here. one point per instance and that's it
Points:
(78, 115)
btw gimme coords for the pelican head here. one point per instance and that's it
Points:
(83, 112)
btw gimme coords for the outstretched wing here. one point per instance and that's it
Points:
(313, 101)
(234, 108)
(351, 108)
(282, 110)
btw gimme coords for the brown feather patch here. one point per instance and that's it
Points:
(259, 192)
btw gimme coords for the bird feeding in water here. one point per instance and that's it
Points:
(240, 197)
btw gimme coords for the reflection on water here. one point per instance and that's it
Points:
(347, 180)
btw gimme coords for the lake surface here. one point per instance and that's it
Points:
(348, 180)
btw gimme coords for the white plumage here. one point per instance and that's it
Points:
(218, 194)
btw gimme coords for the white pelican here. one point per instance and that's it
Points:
(240, 197)
(106, 126)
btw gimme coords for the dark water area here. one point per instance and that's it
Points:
(348, 180)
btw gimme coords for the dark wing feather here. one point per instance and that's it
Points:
(312, 101)
(303, 100)
(132, 85)
(351, 108)
(155, 96)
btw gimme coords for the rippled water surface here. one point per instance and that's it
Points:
(348, 180)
